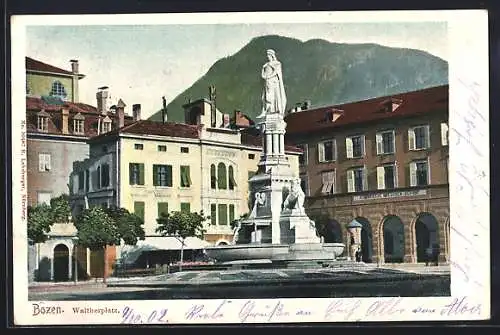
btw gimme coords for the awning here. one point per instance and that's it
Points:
(130, 254)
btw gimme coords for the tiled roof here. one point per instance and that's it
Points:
(35, 65)
(35, 105)
(147, 127)
(411, 104)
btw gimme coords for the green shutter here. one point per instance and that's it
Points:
(185, 207)
(213, 214)
(139, 209)
(231, 213)
(155, 175)
(141, 174)
(169, 175)
(183, 176)
(131, 173)
(188, 176)
(162, 208)
(222, 214)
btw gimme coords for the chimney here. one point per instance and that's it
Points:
(102, 100)
(65, 121)
(136, 110)
(74, 70)
(307, 104)
(120, 113)
(164, 111)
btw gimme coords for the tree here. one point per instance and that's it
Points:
(130, 226)
(40, 220)
(181, 225)
(61, 210)
(99, 227)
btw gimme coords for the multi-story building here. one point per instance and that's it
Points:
(384, 163)
(58, 127)
(153, 167)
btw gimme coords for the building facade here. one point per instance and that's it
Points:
(153, 167)
(58, 127)
(384, 163)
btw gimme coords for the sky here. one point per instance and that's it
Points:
(142, 63)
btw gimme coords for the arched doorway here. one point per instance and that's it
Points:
(366, 239)
(61, 263)
(426, 235)
(394, 239)
(333, 232)
(222, 243)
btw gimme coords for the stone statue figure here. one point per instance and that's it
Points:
(236, 232)
(260, 199)
(295, 198)
(273, 94)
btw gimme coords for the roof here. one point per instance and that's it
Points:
(410, 104)
(35, 65)
(49, 104)
(147, 127)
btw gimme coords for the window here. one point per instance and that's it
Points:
(98, 178)
(162, 175)
(213, 214)
(251, 156)
(81, 181)
(44, 162)
(43, 123)
(419, 173)
(213, 177)
(104, 175)
(232, 182)
(386, 177)
(58, 90)
(356, 180)
(136, 173)
(327, 151)
(303, 158)
(221, 176)
(78, 126)
(106, 126)
(385, 142)
(444, 134)
(162, 208)
(304, 184)
(185, 176)
(162, 148)
(355, 146)
(185, 150)
(328, 182)
(231, 213)
(87, 180)
(222, 214)
(138, 146)
(185, 207)
(418, 138)
(44, 198)
(139, 209)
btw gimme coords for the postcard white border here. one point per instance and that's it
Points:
(469, 185)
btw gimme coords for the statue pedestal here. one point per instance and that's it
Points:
(297, 229)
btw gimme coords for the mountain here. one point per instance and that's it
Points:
(324, 73)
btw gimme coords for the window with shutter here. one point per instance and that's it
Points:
(427, 131)
(390, 176)
(413, 174)
(185, 176)
(222, 214)
(444, 134)
(350, 181)
(139, 209)
(105, 175)
(141, 174)
(380, 148)
(155, 175)
(221, 176)
(213, 177)
(98, 178)
(349, 147)
(364, 178)
(411, 139)
(380, 177)
(213, 214)
(326, 182)
(162, 208)
(332, 177)
(321, 152)
(232, 181)
(231, 213)
(185, 207)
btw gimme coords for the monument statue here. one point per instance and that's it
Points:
(295, 198)
(273, 94)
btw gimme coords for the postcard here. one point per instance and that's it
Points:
(263, 167)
